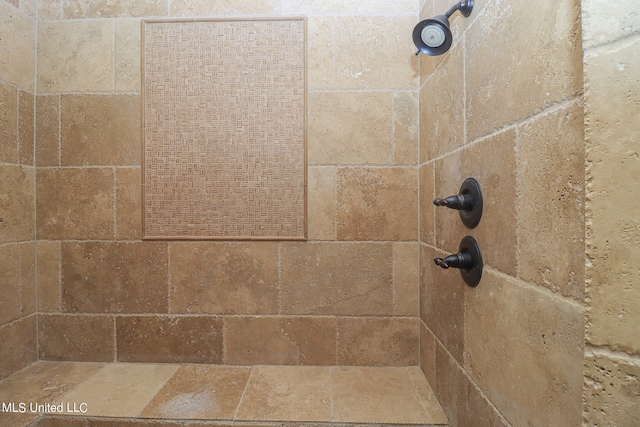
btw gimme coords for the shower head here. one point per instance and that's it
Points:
(433, 36)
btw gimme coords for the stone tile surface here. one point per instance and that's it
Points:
(26, 111)
(442, 302)
(18, 35)
(335, 7)
(405, 128)
(550, 201)
(18, 343)
(442, 116)
(27, 272)
(48, 130)
(68, 59)
(121, 389)
(543, 349)
(550, 72)
(114, 277)
(286, 394)
(406, 280)
(46, 381)
(492, 162)
(462, 401)
(224, 278)
(321, 210)
(613, 237)
(369, 395)
(200, 392)
(9, 283)
(337, 278)
(128, 203)
(377, 341)
(321, 62)
(280, 340)
(221, 7)
(127, 55)
(428, 353)
(78, 9)
(48, 255)
(74, 203)
(169, 339)
(388, 63)
(604, 22)
(76, 338)
(611, 390)
(17, 204)
(377, 204)
(350, 128)
(9, 123)
(427, 209)
(100, 130)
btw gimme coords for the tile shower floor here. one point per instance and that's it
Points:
(110, 394)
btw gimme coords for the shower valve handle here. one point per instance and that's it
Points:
(459, 202)
(460, 260)
(468, 260)
(468, 202)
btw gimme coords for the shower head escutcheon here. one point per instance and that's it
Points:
(433, 36)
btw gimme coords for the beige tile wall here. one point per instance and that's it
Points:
(504, 106)
(17, 178)
(347, 296)
(612, 96)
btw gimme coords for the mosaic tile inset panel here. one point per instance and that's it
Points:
(224, 129)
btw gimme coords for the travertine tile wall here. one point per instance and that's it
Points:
(505, 106)
(347, 296)
(17, 173)
(612, 113)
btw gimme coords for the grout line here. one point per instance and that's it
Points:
(115, 203)
(59, 136)
(617, 43)
(416, 391)
(113, 47)
(115, 340)
(225, 359)
(169, 245)
(466, 374)
(331, 369)
(35, 174)
(279, 284)
(335, 53)
(246, 386)
(393, 128)
(602, 351)
(535, 287)
(226, 316)
(16, 142)
(553, 108)
(394, 306)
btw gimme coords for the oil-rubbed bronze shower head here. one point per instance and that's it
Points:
(433, 36)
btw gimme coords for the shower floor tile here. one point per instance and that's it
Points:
(164, 395)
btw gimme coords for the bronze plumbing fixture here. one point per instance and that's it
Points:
(468, 202)
(468, 260)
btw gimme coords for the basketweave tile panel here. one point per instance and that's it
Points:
(224, 107)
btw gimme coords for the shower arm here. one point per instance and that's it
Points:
(464, 6)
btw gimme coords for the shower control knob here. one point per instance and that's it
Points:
(469, 202)
(459, 260)
(468, 260)
(459, 202)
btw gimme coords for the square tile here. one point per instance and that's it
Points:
(200, 392)
(286, 393)
(121, 390)
(376, 395)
